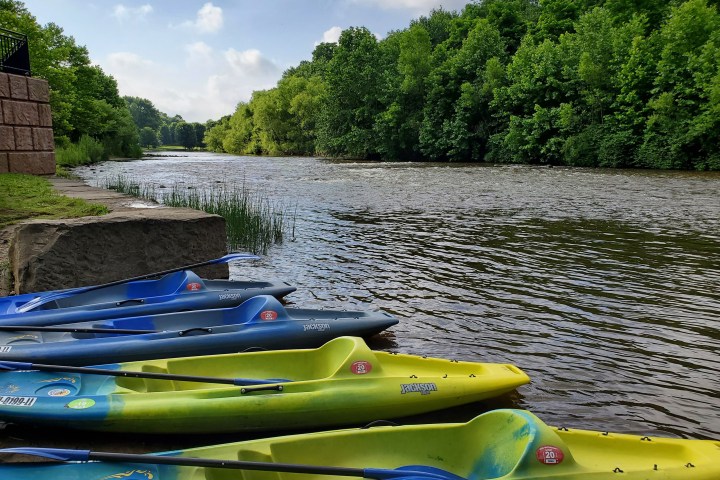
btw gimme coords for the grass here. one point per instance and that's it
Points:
(170, 148)
(26, 196)
(253, 222)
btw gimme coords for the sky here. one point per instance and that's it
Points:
(199, 59)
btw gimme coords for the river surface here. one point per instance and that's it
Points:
(604, 286)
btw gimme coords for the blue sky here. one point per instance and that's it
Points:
(198, 58)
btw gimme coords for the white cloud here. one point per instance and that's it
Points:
(199, 54)
(121, 12)
(250, 63)
(198, 94)
(209, 19)
(332, 35)
(127, 60)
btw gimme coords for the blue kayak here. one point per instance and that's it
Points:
(261, 322)
(178, 291)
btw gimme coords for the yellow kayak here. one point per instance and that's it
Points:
(499, 445)
(340, 383)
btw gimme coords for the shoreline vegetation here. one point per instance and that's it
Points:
(253, 222)
(583, 83)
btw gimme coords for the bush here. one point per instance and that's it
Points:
(87, 150)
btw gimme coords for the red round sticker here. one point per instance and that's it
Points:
(194, 287)
(268, 315)
(361, 367)
(550, 455)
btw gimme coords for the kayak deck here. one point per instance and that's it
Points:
(502, 444)
(342, 382)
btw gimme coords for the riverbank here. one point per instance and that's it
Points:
(135, 237)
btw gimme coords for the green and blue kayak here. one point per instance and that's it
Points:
(340, 383)
(500, 445)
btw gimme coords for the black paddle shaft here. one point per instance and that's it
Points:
(234, 464)
(127, 373)
(30, 328)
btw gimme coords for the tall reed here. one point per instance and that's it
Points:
(253, 222)
(131, 186)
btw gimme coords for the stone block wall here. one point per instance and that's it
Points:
(26, 135)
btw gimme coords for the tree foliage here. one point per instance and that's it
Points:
(608, 83)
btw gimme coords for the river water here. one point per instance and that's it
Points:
(604, 286)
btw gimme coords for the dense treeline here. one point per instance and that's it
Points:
(609, 83)
(157, 128)
(87, 109)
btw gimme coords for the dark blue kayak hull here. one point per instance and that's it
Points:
(261, 322)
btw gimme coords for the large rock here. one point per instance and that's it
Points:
(55, 254)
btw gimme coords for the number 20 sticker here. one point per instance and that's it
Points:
(550, 455)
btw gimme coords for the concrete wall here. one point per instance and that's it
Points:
(26, 135)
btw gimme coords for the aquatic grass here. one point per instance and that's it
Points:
(252, 221)
(131, 186)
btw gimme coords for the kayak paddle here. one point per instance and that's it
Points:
(40, 300)
(67, 455)
(10, 366)
(30, 328)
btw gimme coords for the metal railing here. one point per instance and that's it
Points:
(14, 53)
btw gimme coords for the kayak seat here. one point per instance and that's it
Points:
(513, 441)
(346, 356)
(258, 309)
(172, 283)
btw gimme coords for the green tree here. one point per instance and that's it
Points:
(240, 139)
(144, 113)
(437, 25)
(345, 126)
(215, 134)
(680, 132)
(199, 134)
(166, 135)
(285, 117)
(512, 18)
(186, 135)
(397, 127)
(148, 138)
(456, 121)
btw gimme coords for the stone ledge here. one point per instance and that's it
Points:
(128, 242)
(53, 254)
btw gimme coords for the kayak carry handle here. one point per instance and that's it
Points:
(129, 300)
(182, 333)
